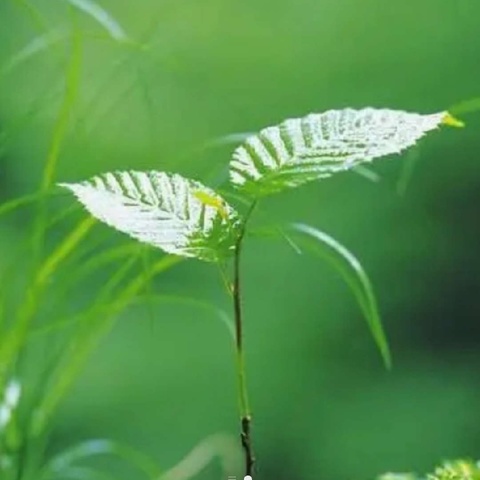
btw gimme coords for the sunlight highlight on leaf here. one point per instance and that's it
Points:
(104, 18)
(167, 211)
(317, 146)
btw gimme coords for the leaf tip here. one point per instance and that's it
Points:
(449, 120)
(68, 186)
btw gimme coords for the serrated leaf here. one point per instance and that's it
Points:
(316, 146)
(165, 210)
(351, 270)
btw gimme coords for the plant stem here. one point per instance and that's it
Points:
(245, 415)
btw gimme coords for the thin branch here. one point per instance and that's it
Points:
(246, 418)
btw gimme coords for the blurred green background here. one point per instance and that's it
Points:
(163, 379)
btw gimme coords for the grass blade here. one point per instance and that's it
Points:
(12, 205)
(101, 16)
(14, 339)
(367, 173)
(351, 270)
(34, 47)
(223, 316)
(98, 323)
(78, 473)
(407, 171)
(64, 249)
(70, 96)
(219, 446)
(93, 448)
(471, 105)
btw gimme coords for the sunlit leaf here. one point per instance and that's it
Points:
(178, 215)
(316, 146)
(354, 275)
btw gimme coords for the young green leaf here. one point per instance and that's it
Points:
(354, 275)
(178, 215)
(317, 146)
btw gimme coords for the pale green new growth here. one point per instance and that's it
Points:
(397, 476)
(451, 470)
(180, 216)
(456, 470)
(316, 146)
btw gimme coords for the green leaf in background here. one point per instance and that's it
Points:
(354, 275)
(180, 216)
(63, 462)
(398, 476)
(450, 470)
(103, 17)
(456, 470)
(316, 146)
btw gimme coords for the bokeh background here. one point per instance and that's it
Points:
(163, 379)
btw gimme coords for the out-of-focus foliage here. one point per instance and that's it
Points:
(182, 75)
(451, 470)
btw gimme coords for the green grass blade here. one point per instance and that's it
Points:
(64, 249)
(36, 16)
(34, 47)
(25, 200)
(223, 316)
(471, 105)
(406, 173)
(98, 321)
(367, 173)
(94, 448)
(351, 270)
(218, 446)
(77, 473)
(101, 16)
(92, 325)
(14, 339)
(89, 265)
(72, 83)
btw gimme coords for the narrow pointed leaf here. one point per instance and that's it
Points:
(92, 448)
(304, 149)
(354, 275)
(102, 16)
(178, 215)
